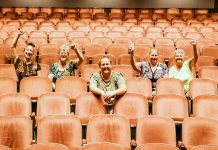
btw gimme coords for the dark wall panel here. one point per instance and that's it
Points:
(216, 6)
(111, 3)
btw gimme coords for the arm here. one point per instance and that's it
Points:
(39, 73)
(14, 44)
(80, 58)
(165, 76)
(95, 90)
(51, 74)
(120, 91)
(136, 66)
(93, 86)
(121, 88)
(193, 60)
(166, 70)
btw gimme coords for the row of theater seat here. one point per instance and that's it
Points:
(111, 146)
(116, 37)
(121, 59)
(104, 31)
(104, 45)
(58, 22)
(203, 70)
(67, 130)
(165, 26)
(131, 105)
(100, 13)
(74, 86)
(49, 10)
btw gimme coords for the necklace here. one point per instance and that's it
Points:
(105, 81)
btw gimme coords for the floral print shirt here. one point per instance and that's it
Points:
(68, 71)
(26, 69)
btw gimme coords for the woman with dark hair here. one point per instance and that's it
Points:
(26, 66)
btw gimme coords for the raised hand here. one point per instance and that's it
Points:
(73, 46)
(21, 32)
(193, 42)
(131, 48)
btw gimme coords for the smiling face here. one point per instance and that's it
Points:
(105, 65)
(63, 54)
(179, 57)
(29, 51)
(153, 57)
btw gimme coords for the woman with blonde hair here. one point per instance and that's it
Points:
(65, 67)
(183, 70)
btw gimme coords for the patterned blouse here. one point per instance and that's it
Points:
(26, 69)
(68, 71)
(147, 72)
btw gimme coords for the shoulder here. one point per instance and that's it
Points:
(18, 60)
(187, 62)
(72, 62)
(163, 65)
(116, 75)
(172, 68)
(144, 64)
(96, 75)
(38, 65)
(55, 64)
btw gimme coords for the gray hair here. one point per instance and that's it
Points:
(65, 48)
(153, 50)
(180, 51)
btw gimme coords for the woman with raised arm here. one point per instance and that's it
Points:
(152, 69)
(65, 67)
(183, 70)
(26, 66)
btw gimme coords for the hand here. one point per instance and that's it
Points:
(131, 48)
(108, 95)
(73, 46)
(193, 42)
(103, 101)
(21, 32)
